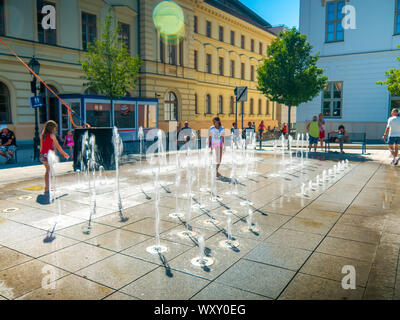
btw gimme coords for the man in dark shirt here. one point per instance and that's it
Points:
(8, 144)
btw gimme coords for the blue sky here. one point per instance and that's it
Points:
(276, 12)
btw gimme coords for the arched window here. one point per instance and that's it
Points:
(259, 107)
(208, 104)
(170, 107)
(50, 110)
(196, 108)
(5, 104)
(251, 106)
(267, 112)
(91, 91)
(220, 105)
(232, 105)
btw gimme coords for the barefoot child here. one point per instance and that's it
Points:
(216, 136)
(48, 140)
(69, 140)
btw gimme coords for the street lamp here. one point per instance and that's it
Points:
(35, 66)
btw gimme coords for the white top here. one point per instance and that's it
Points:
(216, 134)
(394, 125)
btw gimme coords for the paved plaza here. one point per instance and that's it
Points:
(295, 249)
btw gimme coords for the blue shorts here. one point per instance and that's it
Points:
(313, 140)
(8, 148)
(394, 140)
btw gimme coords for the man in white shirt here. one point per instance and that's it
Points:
(393, 131)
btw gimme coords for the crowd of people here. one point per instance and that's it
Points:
(317, 134)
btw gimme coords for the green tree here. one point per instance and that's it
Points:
(392, 80)
(289, 75)
(108, 66)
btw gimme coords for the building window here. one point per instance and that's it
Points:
(332, 99)
(260, 49)
(232, 68)
(170, 107)
(252, 45)
(233, 38)
(259, 107)
(252, 73)
(394, 103)
(172, 54)
(242, 41)
(242, 69)
(251, 106)
(5, 104)
(221, 66)
(195, 25)
(196, 60)
(196, 109)
(208, 63)
(208, 29)
(162, 51)
(47, 36)
(232, 105)
(267, 111)
(208, 104)
(125, 34)
(221, 33)
(89, 29)
(220, 105)
(181, 53)
(50, 110)
(334, 16)
(2, 19)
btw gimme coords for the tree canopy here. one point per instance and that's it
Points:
(392, 80)
(108, 65)
(289, 75)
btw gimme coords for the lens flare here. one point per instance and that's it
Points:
(169, 20)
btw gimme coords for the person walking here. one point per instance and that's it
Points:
(393, 132)
(313, 131)
(216, 138)
(322, 134)
(261, 129)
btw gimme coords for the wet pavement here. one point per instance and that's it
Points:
(296, 249)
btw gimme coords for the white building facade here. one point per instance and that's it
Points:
(354, 59)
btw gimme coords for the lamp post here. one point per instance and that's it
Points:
(35, 66)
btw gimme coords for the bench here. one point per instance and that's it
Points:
(353, 138)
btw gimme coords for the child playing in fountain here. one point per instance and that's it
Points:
(48, 140)
(69, 140)
(216, 141)
(313, 129)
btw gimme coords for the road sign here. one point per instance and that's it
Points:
(241, 94)
(36, 102)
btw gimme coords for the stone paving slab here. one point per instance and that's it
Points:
(297, 250)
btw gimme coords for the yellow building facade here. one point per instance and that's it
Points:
(221, 50)
(194, 80)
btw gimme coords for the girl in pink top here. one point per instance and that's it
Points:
(69, 141)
